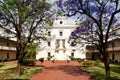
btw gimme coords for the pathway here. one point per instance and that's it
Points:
(61, 70)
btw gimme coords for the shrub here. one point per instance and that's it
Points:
(41, 60)
(79, 60)
(71, 58)
(49, 58)
(97, 62)
(28, 62)
(87, 63)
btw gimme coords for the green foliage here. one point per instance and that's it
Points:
(28, 62)
(71, 58)
(98, 72)
(32, 49)
(59, 12)
(79, 60)
(29, 72)
(97, 62)
(41, 60)
(1, 65)
(7, 71)
(49, 57)
(88, 63)
(76, 59)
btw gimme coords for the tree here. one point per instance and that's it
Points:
(98, 20)
(27, 18)
(32, 49)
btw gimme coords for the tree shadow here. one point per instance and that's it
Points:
(1, 65)
(69, 69)
(100, 76)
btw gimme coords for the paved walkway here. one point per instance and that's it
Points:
(61, 70)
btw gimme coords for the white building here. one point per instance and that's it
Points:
(57, 43)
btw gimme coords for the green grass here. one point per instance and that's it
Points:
(8, 71)
(98, 72)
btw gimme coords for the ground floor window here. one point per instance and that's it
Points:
(113, 56)
(49, 54)
(7, 55)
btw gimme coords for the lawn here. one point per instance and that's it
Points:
(8, 71)
(98, 72)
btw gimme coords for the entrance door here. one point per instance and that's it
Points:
(60, 55)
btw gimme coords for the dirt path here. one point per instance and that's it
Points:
(61, 70)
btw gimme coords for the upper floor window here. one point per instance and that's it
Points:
(49, 44)
(61, 22)
(49, 33)
(8, 44)
(61, 33)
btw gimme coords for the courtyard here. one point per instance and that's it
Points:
(35, 33)
(61, 70)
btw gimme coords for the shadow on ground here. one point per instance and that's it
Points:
(69, 69)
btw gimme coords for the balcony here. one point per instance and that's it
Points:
(7, 48)
(108, 49)
(115, 49)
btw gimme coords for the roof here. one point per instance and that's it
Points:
(64, 23)
(5, 39)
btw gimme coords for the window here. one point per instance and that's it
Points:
(61, 33)
(49, 44)
(49, 54)
(72, 54)
(113, 56)
(7, 55)
(8, 44)
(57, 43)
(49, 33)
(61, 22)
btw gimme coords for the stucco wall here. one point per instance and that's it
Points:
(7, 55)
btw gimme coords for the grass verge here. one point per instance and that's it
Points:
(8, 71)
(98, 72)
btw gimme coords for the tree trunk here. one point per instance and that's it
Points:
(107, 69)
(20, 58)
(106, 63)
(19, 68)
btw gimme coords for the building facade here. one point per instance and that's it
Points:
(113, 50)
(7, 49)
(57, 44)
(7, 46)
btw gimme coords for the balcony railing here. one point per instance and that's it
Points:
(108, 49)
(7, 48)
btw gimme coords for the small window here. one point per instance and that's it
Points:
(49, 54)
(61, 33)
(8, 44)
(49, 44)
(72, 54)
(61, 22)
(49, 33)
